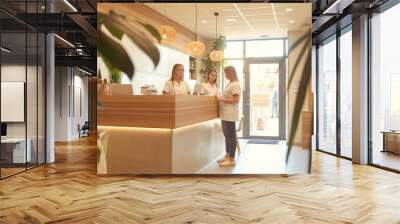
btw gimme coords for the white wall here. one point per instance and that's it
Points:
(12, 73)
(61, 103)
(33, 126)
(70, 83)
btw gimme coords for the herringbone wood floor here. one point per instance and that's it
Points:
(69, 191)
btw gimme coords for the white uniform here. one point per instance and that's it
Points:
(209, 89)
(230, 111)
(176, 88)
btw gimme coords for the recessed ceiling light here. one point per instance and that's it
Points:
(204, 21)
(230, 19)
(291, 21)
(289, 9)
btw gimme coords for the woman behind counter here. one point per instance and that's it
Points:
(229, 114)
(176, 85)
(210, 87)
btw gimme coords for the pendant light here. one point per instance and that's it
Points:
(167, 33)
(216, 55)
(195, 48)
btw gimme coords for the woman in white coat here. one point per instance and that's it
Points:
(176, 85)
(229, 114)
(210, 87)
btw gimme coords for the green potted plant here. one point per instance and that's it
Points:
(115, 76)
(219, 44)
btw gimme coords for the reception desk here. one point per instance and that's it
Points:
(157, 134)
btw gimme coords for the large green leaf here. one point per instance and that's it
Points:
(152, 30)
(300, 97)
(299, 41)
(136, 33)
(114, 55)
(101, 17)
(302, 39)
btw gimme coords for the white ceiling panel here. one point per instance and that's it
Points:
(239, 20)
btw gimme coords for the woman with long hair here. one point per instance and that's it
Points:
(210, 87)
(176, 85)
(229, 114)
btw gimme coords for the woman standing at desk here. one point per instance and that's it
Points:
(176, 85)
(210, 87)
(229, 114)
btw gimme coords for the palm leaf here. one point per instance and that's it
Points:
(117, 33)
(136, 33)
(300, 40)
(114, 55)
(152, 30)
(303, 49)
(301, 95)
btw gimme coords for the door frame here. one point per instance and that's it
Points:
(282, 97)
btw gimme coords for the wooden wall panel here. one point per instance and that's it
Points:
(134, 151)
(137, 111)
(194, 109)
(156, 111)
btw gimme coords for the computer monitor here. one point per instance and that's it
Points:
(3, 129)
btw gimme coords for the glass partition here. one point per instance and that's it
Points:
(13, 95)
(327, 96)
(346, 94)
(22, 88)
(385, 89)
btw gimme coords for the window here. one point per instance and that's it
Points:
(394, 101)
(385, 87)
(264, 48)
(327, 96)
(234, 49)
(346, 94)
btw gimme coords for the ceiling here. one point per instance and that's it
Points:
(73, 20)
(247, 20)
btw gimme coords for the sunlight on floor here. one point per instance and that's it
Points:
(261, 159)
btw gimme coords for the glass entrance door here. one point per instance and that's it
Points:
(265, 99)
